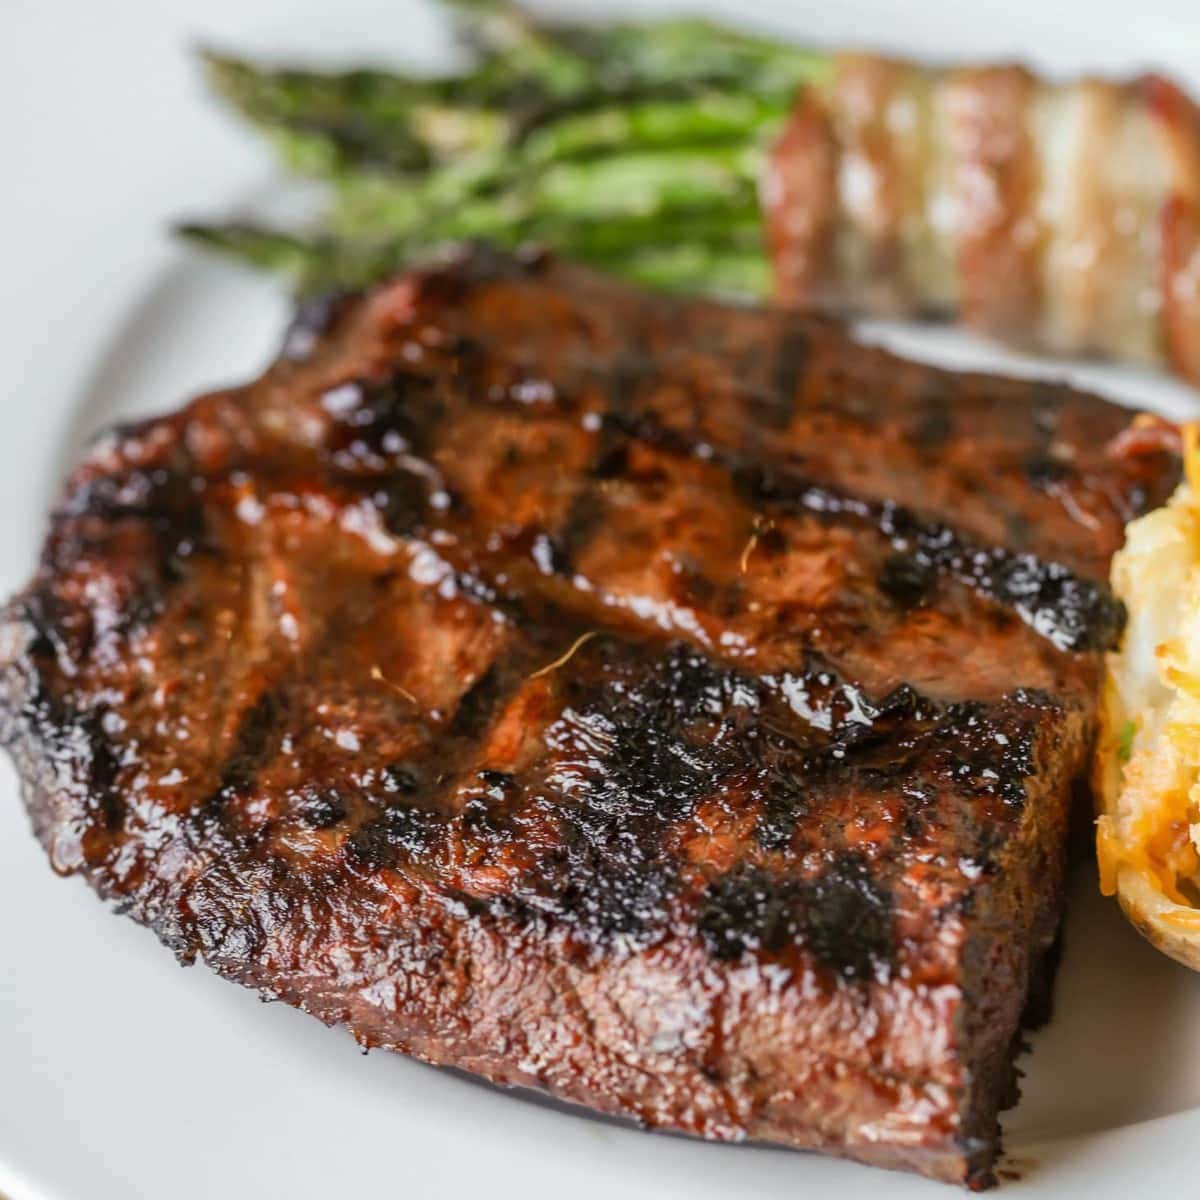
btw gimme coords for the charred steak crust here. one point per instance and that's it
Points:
(671, 706)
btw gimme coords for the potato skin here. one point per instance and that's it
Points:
(1151, 913)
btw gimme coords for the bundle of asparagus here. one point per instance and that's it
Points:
(639, 147)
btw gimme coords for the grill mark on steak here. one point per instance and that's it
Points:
(416, 819)
(477, 708)
(783, 840)
(166, 502)
(1072, 612)
(631, 759)
(582, 523)
(842, 917)
(664, 732)
(634, 769)
(906, 579)
(396, 831)
(251, 742)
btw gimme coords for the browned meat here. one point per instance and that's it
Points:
(671, 706)
(1059, 216)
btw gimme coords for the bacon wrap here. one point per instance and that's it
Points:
(1178, 120)
(800, 200)
(1060, 217)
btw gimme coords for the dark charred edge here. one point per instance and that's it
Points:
(841, 917)
(231, 937)
(33, 613)
(1073, 613)
(465, 265)
(1033, 962)
(165, 499)
(1039, 1004)
(103, 772)
(995, 1089)
(314, 317)
(44, 730)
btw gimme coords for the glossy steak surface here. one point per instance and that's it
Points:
(672, 706)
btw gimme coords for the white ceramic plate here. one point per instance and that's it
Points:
(122, 1076)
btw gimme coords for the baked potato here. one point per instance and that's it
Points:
(1147, 764)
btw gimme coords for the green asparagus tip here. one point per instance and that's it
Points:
(267, 249)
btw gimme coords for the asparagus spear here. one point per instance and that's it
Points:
(635, 147)
(661, 82)
(620, 57)
(630, 184)
(711, 269)
(671, 219)
(642, 246)
(325, 123)
(310, 263)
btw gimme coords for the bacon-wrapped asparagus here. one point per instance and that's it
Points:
(1064, 217)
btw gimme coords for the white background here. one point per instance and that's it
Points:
(122, 1076)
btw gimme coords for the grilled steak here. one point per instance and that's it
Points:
(671, 706)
